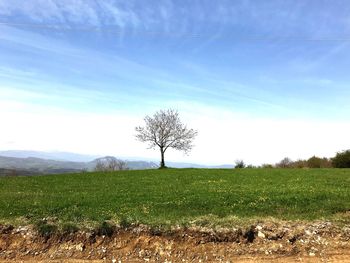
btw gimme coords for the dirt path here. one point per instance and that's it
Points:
(268, 242)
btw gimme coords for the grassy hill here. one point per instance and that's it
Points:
(177, 196)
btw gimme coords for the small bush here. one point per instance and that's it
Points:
(69, 228)
(342, 159)
(105, 229)
(300, 164)
(317, 162)
(125, 222)
(239, 164)
(156, 230)
(314, 162)
(267, 165)
(45, 229)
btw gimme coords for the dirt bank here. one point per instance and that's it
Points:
(264, 242)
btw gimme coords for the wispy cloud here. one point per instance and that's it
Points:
(239, 66)
(239, 18)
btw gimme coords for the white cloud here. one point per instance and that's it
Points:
(223, 137)
(30, 127)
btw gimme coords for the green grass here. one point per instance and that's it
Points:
(175, 196)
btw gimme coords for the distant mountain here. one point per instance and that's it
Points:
(34, 165)
(193, 165)
(58, 156)
(40, 165)
(54, 162)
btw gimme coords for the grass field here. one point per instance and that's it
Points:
(177, 196)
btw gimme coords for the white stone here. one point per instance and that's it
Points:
(261, 234)
(79, 247)
(308, 232)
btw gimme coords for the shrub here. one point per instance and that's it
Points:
(105, 229)
(300, 164)
(125, 222)
(69, 228)
(266, 165)
(45, 229)
(314, 162)
(327, 163)
(342, 159)
(239, 164)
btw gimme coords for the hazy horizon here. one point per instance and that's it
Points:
(259, 80)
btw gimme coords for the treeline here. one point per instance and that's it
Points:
(341, 160)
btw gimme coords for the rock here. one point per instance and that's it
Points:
(80, 247)
(21, 229)
(261, 234)
(312, 254)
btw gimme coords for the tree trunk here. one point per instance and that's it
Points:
(162, 163)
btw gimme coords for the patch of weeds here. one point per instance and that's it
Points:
(28, 216)
(45, 229)
(105, 229)
(184, 224)
(69, 228)
(6, 229)
(205, 221)
(125, 222)
(156, 230)
(159, 230)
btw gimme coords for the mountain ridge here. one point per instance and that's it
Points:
(48, 161)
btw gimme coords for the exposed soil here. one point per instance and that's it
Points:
(265, 242)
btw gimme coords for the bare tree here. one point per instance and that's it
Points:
(122, 165)
(100, 166)
(112, 164)
(109, 163)
(165, 130)
(285, 163)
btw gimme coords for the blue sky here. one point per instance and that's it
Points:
(258, 60)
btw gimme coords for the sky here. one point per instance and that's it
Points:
(259, 80)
